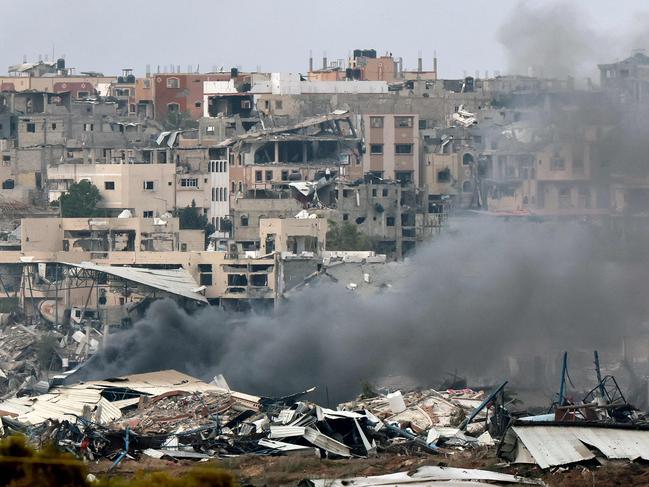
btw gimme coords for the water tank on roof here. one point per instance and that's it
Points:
(130, 78)
(60, 63)
(120, 79)
(234, 72)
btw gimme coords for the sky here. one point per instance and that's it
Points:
(277, 35)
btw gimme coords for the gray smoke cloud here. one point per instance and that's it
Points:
(482, 292)
(559, 39)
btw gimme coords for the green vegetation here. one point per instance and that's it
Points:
(191, 218)
(22, 466)
(346, 237)
(80, 201)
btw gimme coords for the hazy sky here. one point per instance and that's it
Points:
(276, 35)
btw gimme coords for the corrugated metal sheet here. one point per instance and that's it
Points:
(560, 445)
(277, 431)
(173, 281)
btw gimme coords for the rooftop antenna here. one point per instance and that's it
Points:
(420, 66)
(53, 56)
(435, 62)
(148, 70)
(310, 60)
(24, 58)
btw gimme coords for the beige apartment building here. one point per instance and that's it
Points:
(392, 146)
(147, 190)
(105, 263)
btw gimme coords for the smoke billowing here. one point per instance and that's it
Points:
(560, 39)
(471, 298)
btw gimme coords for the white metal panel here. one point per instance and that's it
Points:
(552, 445)
(616, 443)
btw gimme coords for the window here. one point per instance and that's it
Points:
(88, 127)
(423, 125)
(467, 159)
(198, 104)
(209, 129)
(269, 175)
(389, 221)
(189, 182)
(82, 94)
(173, 107)
(444, 176)
(403, 122)
(278, 104)
(109, 185)
(374, 192)
(376, 122)
(173, 83)
(467, 187)
(244, 220)
(376, 149)
(403, 148)
(284, 175)
(205, 278)
(148, 185)
(31, 127)
(385, 192)
(258, 176)
(147, 214)
(245, 104)
(147, 83)
(557, 164)
(54, 126)
(345, 217)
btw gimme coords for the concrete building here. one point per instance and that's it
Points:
(147, 190)
(392, 146)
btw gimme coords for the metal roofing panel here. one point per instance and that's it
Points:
(552, 445)
(616, 443)
(173, 281)
(277, 431)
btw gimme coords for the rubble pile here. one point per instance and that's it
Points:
(19, 363)
(169, 414)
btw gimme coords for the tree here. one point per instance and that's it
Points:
(346, 237)
(191, 218)
(80, 200)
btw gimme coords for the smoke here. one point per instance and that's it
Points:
(471, 298)
(558, 39)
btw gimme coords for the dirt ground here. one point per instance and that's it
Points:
(252, 470)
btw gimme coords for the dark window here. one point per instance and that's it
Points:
(258, 176)
(376, 122)
(376, 148)
(31, 127)
(269, 175)
(403, 148)
(197, 104)
(53, 126)
(244, 220)
(403, 122)
(374, 192)
(148, 185)
(147, 214)
(389, 221)
(467, 187)
(422, 124)
(385, 192)
(284, 175)
(444, 176)
(109, 184)
(345, 217)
